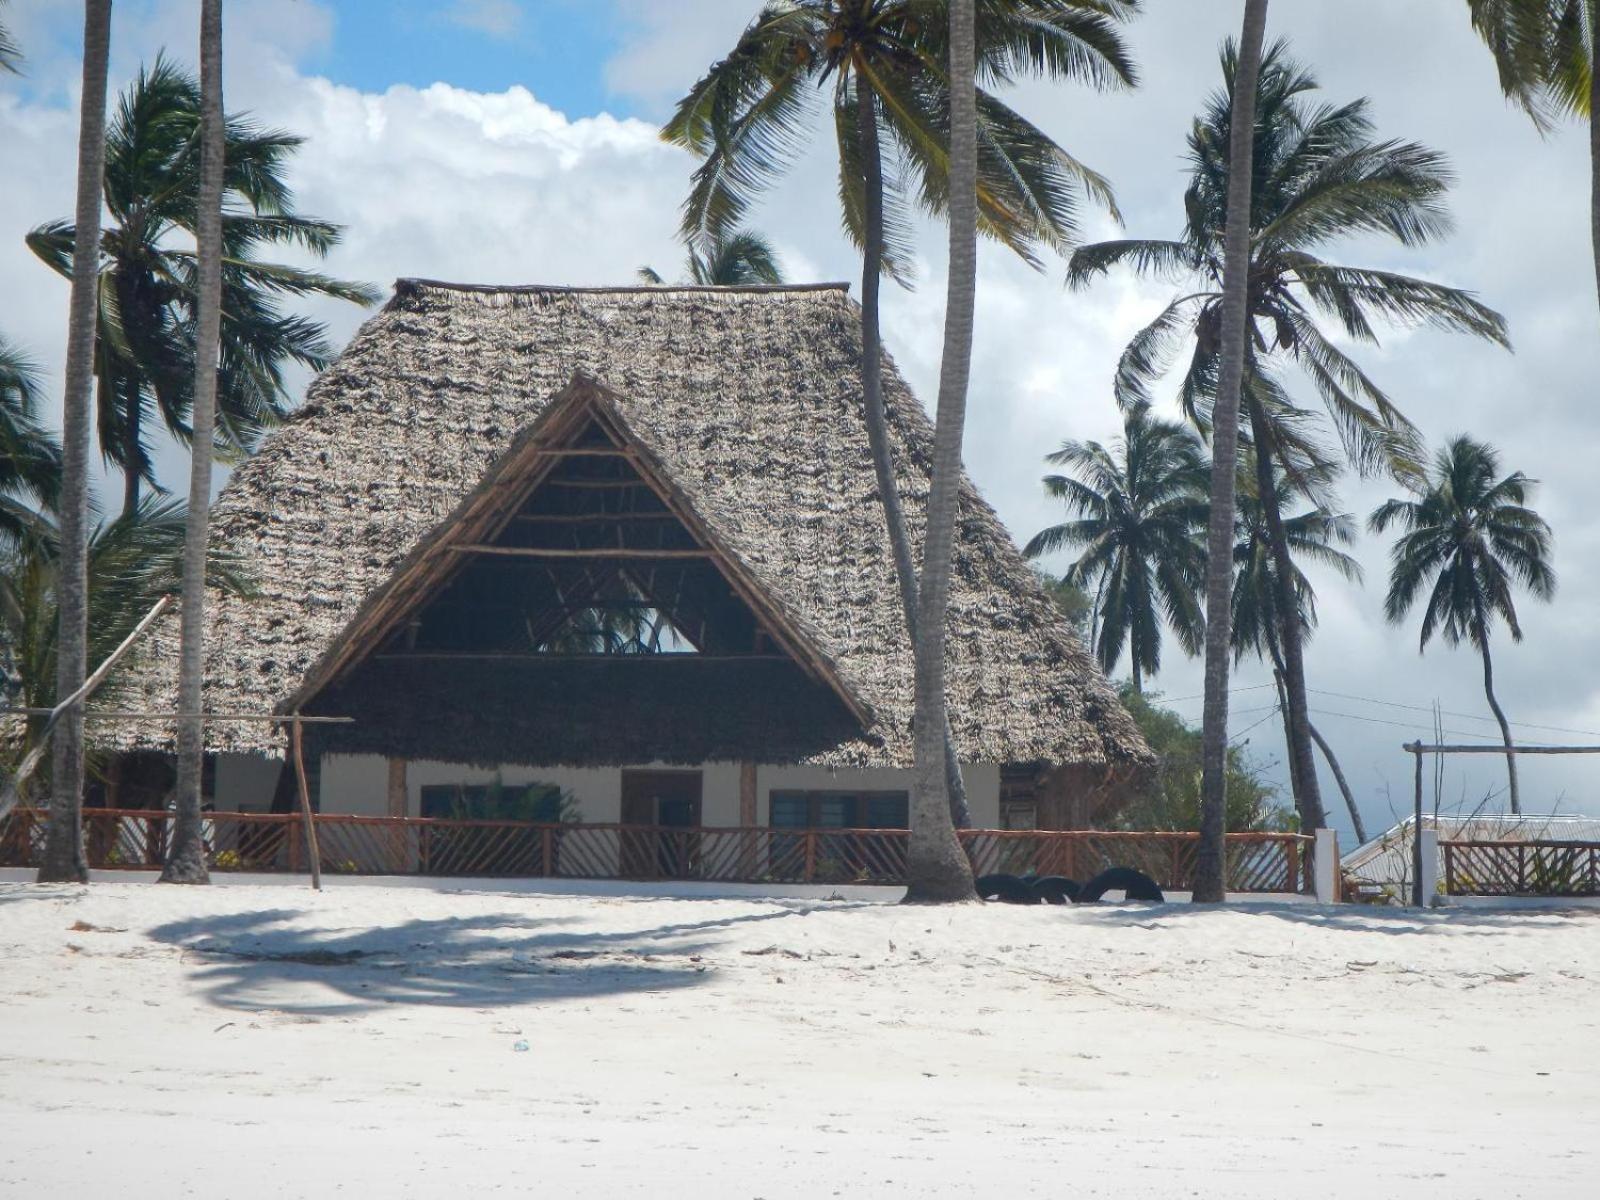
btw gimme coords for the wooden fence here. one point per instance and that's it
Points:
(136, 840)
(1492, 868)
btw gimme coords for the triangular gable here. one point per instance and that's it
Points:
(581, 425)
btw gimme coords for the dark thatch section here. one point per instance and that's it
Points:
(748, 404)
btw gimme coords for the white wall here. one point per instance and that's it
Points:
(359, 784)
(245, 781)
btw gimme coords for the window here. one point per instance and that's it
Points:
(840, 810)
(540, 802)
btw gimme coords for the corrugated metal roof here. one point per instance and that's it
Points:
(1386, 859)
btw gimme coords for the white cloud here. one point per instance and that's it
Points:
(497, 18)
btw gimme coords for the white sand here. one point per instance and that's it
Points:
(777, 1049)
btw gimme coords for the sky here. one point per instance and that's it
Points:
(514, 141)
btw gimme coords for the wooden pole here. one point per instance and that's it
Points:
(1416, 831)
(13, 786)
(305, 803)
(399, 797)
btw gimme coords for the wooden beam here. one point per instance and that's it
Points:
(558, 552)
(534, 656)
(1422, 748)
(590, 518)
(584, 452)
(610, 485)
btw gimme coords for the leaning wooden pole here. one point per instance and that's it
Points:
(296, 743)
(13, 785)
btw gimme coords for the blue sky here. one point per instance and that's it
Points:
(486, 45)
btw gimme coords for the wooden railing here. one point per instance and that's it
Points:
(1485, 868)
(136, 840)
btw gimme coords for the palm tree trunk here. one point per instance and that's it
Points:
(63, 854)
(877, 420)
(1307, 792)
(1594, 135)
(1344, 785)
(1208, 871)
(132, 438)
(186, 860)
(937, 869)
(1505, 727)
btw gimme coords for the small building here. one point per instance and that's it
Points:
(619, 550)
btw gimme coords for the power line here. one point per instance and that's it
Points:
(1447, 713)
(1271, 712)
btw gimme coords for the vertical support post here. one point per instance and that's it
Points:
(305, 803)
(811, 854)
(399, 799)
(1429, 841)
(1416, 831)
(1295, 879)
(748, 820)
(547, 855)
(1325, 866)
(1449, 867)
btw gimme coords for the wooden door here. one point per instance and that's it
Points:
(668, 803)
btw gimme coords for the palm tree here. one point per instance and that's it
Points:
(1472, 535)
(63, 860)
(144, 358)
(1547, 51)
(738, 259)
(186, 856)
(1139, 508)
(937, 869)
(886, 63)
(30, 460)
(10, 54)
(1315, 536)
(132, 562)
(1318, 175)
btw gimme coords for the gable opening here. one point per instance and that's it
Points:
(586, 618)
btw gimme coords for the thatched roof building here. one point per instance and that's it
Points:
(482, 463)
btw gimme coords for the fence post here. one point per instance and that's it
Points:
(1449, 868)
(1429, 881)
(1325, 866)
(547, 852)
(811, 854)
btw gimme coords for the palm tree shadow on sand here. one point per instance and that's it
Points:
(258, 961)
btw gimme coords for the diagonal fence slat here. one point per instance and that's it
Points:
(355, 845)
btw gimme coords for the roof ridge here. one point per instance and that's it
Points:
(411, 284)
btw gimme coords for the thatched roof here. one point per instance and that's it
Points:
(747, 403)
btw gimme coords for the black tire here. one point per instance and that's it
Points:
(1056, 889)
(1136, 885)
(1007, 889)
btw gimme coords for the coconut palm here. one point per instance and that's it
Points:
(1546, 52)
(63, 859)
(738, 259)
(1139, 507)
(883, 64)
(186, 855)
(132, 562)
(10, 54)
(1469, 532)
(937, 869)
(1319, 176)
(144, 357)
(1314, 536)
(30, 459)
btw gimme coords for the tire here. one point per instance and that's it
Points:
(1056, 889)
(1007, 889)
(1136, 885)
